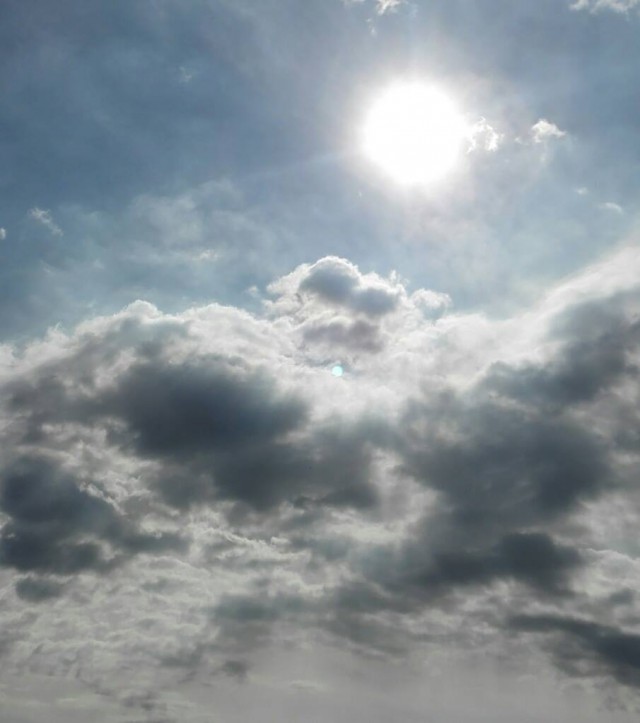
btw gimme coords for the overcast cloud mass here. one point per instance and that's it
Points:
(282, 439)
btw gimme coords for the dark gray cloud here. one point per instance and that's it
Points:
(55, 526)
(584, 647)
(331, 469)
(227, 435)
(37, 589)
(598, 345)
(181, 410)
(237, 669)
(513, 457)
(508, 466)
(532, 558)
(218, 426)
(48, 513)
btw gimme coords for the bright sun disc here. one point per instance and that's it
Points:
(414, 133)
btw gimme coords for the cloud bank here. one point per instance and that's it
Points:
(465, 479)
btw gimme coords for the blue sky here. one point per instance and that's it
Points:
(117, 102)
(191, 239)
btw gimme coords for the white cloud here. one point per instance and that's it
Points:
(483, 136)
(544, 130)
(3, 234)
(612, 206)
(382, 6)
(45, 218)
(594, 6)
(388, 5)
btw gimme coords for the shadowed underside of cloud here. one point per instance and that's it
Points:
(56, 527)
(456, 457)
(583, 646)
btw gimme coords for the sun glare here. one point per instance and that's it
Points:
(414, 133)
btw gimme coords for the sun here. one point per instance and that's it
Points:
(414, 133)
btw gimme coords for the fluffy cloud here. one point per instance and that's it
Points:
(484, 136)
(210, 462)
(544, 130)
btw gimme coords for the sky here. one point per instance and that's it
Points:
(284, 436)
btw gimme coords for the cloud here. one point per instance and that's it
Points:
(595, 6)
(611, 206)
(186, 75)
(35, 589)
(339, 312)
(3, 234)
(338, 282)
(584, 647)
(544, 130)
(483, 136)
(384, 6)
(45, 219)
(55, 526)
(207, 466)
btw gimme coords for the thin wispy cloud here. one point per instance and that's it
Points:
(385, 6)
(612, 206)
(381, 6)
(595, 6)
(45, 218)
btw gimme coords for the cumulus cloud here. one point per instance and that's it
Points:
(210, 462)
(338, 312)
(338, 282)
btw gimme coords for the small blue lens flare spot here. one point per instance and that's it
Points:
(337, 370)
